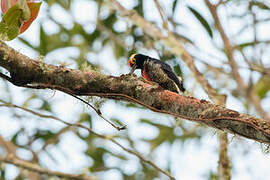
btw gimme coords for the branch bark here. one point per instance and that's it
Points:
(172, 42)
(26, 72)
(177, 48)
(246, 92)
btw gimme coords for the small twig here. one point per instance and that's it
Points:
(68, 92)
(11, 151)
(93, 132)
(54, 139)
(9, 147)
(6, 77)
(251, 95)
(99, 113)
(36, 168)
(162, 14)
(224, 163)
(171, 41)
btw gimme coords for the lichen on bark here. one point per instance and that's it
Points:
(26, 71)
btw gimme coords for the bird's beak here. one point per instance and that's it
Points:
(133, 69)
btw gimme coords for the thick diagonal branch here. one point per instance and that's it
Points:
(25, 71)
(176, 48)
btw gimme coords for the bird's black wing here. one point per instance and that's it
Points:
(168, 70)
(173, 76)
(159, 72)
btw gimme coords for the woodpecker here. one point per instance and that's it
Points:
(156, 71)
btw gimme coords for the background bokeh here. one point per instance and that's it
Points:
(90, 34)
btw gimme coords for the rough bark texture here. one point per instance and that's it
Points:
(25, 71)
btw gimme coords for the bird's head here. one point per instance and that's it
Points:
(136, 61)
(132, 60)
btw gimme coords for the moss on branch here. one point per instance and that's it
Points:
(25, 71)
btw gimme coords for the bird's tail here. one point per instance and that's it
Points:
(180, 85)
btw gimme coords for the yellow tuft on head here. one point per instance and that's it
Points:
(132, 60)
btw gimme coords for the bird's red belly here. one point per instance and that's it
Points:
(145, 75)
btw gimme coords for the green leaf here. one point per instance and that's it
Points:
(260, 5)
(44, 135)
(13, 19)
(202, 21)
(165, 134)
(97, 155)
(251, 43)
(177, 70)
(182, 38)
(15, 136)
(119, 51)
(30, 13)
(243, 45)
(43, 42)
(25, 9)
(139, 8)
(262, 86)
(25, 104)
(11, 23)
(110, 21)
(131, 105)
(117, 121)
(27, 43)
(65, 4)
(46, 106)
(174, 6)
(85, 117)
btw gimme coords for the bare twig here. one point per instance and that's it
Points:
(227, 44)
(9, 147)
(97, 111)
(55, 138)
(224, 165)
(178, 49)
(162, 14)
(249, 93)
(172, 42)
(93, 132)
(36, 168)
(11, 151)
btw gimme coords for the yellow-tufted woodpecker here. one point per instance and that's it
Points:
(156, 71)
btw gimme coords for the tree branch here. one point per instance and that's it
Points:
(11, 151)
(25, 71)
(248, 93)
(224, 163)
(162, 15)
(180, 51)
(36, 168)
(106, 137)
(177, 48)
(172, 42)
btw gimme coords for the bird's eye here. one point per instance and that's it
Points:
(133, 60)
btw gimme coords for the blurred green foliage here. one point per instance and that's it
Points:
(105, 32)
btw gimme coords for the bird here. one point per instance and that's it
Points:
(154, 70)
